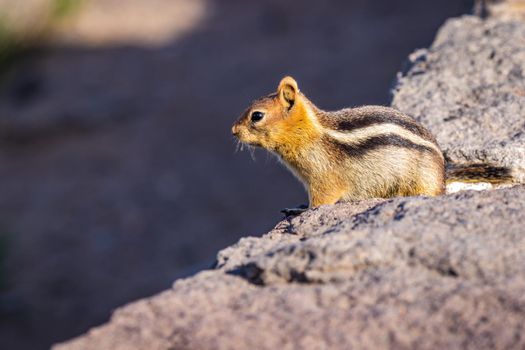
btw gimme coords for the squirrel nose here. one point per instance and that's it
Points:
(235, 130)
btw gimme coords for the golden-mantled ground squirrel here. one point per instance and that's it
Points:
(351, 154)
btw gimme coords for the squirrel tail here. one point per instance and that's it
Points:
(471, 173)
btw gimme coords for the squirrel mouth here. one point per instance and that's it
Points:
(251, 143)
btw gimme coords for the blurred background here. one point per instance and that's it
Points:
(118, 173)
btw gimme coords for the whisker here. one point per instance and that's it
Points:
(238, 146)
(268, 157)
(252, 152)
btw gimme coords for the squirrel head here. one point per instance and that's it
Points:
(273, 120)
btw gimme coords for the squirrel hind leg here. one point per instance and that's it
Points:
(433, 186)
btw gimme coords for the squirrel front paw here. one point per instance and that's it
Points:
(294, 211)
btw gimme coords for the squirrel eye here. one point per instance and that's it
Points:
(256, 116)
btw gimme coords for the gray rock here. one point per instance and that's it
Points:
(293, 229)
(425, 273)
(469, 89)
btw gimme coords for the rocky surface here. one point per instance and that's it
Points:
(420, 273)
(469, 89)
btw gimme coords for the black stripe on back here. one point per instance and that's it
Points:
(373, 119)
(375, 142)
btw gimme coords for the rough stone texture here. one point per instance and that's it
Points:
(469, 89)
(421, 273)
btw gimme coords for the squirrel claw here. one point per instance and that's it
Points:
(294, 211)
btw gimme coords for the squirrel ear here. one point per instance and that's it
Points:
(287, 91)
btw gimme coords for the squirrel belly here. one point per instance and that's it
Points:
(354, 153)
